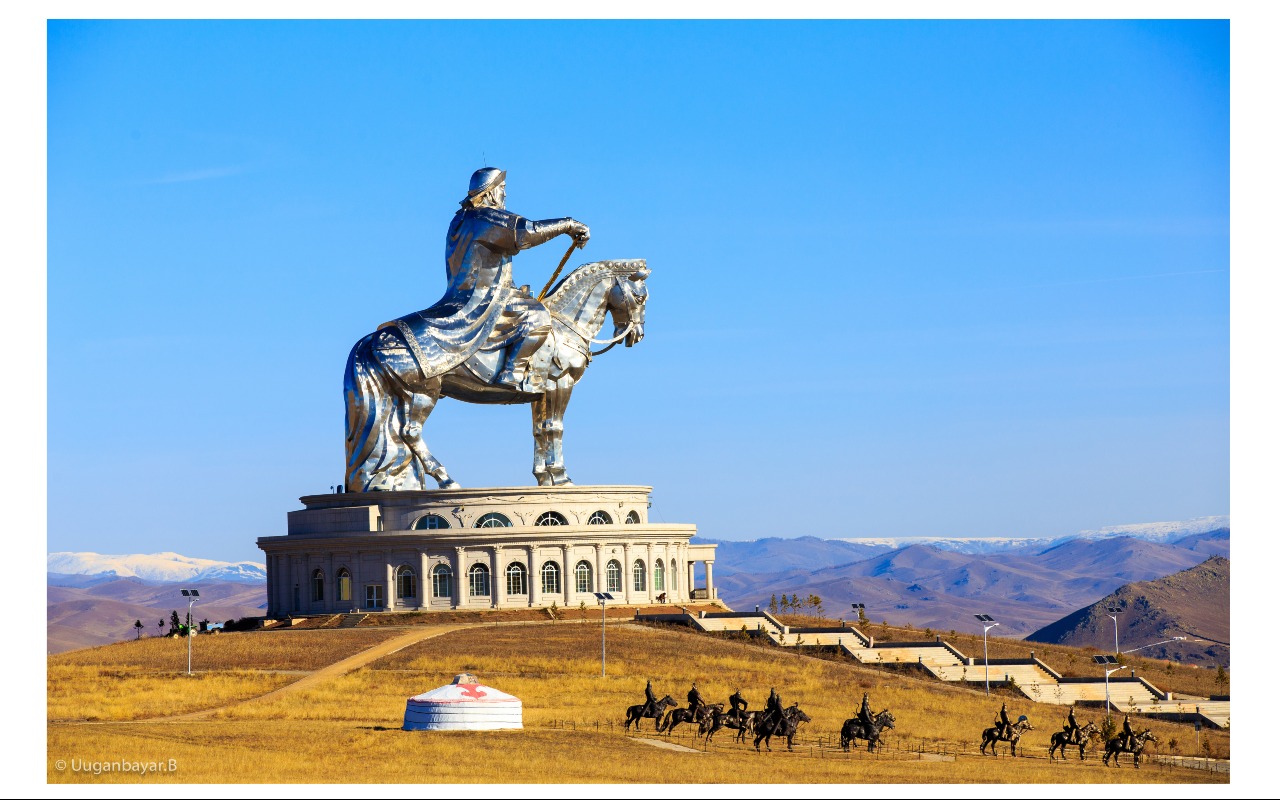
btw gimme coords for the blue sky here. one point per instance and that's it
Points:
(909, 278)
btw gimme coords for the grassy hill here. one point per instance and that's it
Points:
(345, 728)
(1195, 603)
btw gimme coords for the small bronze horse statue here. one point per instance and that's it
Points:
(786, 726)
(678, 715)
(857, 729)
(1061, 740)
(743, 722)
(1115, 747)
(1015, 731)
(637, 713)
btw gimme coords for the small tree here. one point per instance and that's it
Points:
(773, 604)
(137, 626)
(554, 608)
(815, 602)
(862, 616)
(175, 622)
(1109, 728)
(583, 608)
(795, 601)
(1221, 678)
(161, 624)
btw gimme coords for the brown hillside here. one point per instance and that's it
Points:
(1195, 603)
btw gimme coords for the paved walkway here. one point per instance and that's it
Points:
(665, 745)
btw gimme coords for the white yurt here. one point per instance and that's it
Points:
(464, 705)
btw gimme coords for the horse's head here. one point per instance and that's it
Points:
(885, 719)
(667, 701)
(799, 716)
(626, 304)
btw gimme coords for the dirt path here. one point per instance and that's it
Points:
(666, 745)
(334, 670)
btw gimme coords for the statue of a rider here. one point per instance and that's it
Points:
(695, 701)
(864, 713)
(1128, 739)
(650, 701)
(1003, 725)
(737, 704)
(1072, 727)
(772, 711)
(484, 319)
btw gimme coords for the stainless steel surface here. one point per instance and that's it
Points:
(485, 341)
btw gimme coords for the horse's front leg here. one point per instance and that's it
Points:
(539, 410)
(557, 401)
(419, 408)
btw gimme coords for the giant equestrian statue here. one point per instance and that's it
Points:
(485, 341)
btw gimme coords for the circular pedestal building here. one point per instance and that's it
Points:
(480, 548)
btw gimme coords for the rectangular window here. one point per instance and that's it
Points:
(657, 578)
(408, 585)
(441, 583)
(516, 582)
(479, 583)
(638, 585)
(344, 588)
(584, 578)
(550, 579)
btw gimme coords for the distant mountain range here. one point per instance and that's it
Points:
(157, 567)
(1195, 603)
(1025, 584)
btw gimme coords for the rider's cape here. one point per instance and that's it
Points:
(481, 309)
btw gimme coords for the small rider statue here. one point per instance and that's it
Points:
(1127, 737)
(1072, 727)
(1002, 722)
(737, 705)
(650, 701)
(695, 700)
(864, 713)
(772, 710)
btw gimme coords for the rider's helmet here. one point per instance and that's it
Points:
(485, 179)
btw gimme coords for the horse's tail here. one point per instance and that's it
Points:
(374, 422)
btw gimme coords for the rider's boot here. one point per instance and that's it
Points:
(515, 371)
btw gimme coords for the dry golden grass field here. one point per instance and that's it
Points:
(344, 728)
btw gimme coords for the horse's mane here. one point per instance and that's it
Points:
(571, 288)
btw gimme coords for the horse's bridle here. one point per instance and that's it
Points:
(631, 304)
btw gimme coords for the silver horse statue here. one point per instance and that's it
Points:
(390, 394)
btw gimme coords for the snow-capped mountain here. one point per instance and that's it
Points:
(157, 567)
(1160, 532)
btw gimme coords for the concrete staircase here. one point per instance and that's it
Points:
(1033, 677)
(351, 620)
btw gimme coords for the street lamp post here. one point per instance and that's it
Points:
(192, 595)
(1154, 644)
(601, 598)
(1105, 662)
(1113, 611)
(859, 611)
(987, 624)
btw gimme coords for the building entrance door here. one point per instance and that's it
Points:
(373, 596)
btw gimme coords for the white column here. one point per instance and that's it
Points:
(391, 582)
(692, 577)
(627, 577)
(535, 578)
(424, 580)
(599, 568)
(711, 587)
(498, 589)
(458, 577)
(567, 573)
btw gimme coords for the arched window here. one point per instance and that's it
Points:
(493, 520)
(551, 518)
(659, 576)
(633, 518)
(344, 585)
(317, 585)
(551, 578)
(637, 576)
(517, 579)
(442, 581)
(406, 583)
(675, 577)
(582, 577)
(478, 577)
(613, 576)
(600, 518)
(430, 522)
